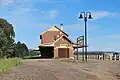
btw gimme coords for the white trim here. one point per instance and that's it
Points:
(76, 45)
(48, 44)
(62, 47)
(60, 38)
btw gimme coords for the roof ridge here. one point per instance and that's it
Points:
(57, 28)
(61, 30)
(48, 43)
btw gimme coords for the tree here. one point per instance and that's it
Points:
(3, 42)
(8, 28)
(7, 35)
(8, 47)
(21, 50)
(25, 50)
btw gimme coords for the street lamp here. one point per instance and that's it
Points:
(85, 16)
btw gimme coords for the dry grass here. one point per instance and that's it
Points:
(7, 64)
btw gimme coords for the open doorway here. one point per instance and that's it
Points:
(47, 52)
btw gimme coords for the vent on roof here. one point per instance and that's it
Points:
(61, 26)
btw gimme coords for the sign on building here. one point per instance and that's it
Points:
(66, 45)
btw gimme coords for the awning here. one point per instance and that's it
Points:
(36, 49)
(46, 45)
(79, 46)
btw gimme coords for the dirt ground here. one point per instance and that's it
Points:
(48, 69)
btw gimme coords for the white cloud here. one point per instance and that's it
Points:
(25, 17)
(117, 36)
(75, 27)
(78, 27)
(26, 8)
(104, 43)
(110, 37)
(43, 25)
(53, 14)
(54, 1)
(6, 2)
(46, 15)
(103, 14)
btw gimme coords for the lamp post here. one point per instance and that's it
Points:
(85, 16)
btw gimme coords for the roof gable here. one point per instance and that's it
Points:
(61, 30)
(55, 28)
(65, 38)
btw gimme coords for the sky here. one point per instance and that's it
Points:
(32, 17)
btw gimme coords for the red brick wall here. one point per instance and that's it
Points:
(48, 36)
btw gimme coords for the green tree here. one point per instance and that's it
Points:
(25, 50)
(8, 28)
(8, 47)
(7, 35)
(21, 50)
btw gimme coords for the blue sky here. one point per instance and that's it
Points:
(31, 17)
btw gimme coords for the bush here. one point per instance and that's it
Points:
(7, 64)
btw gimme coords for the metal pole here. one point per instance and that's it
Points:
(83, 50)
(77, 49)
(85, 38)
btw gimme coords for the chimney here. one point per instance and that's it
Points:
(61, 26)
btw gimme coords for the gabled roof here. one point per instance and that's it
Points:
(64, 37)
(55, 28)
(73, 44)
(61, 30)
(52, 44)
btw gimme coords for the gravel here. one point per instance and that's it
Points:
(51, 69)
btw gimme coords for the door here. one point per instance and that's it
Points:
(63, 52)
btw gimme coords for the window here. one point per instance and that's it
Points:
(54, 37)
(40, 36)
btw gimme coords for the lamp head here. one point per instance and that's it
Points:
(90, 17)
(81, 16)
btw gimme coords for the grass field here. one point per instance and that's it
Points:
(7, 64)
